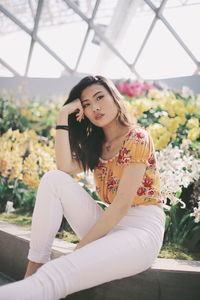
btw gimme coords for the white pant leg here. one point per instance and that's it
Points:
(130, 248)
(58, 193)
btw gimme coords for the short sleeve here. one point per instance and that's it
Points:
(138, 147)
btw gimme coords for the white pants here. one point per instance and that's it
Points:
(129, 248)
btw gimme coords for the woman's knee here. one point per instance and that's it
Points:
(54, 176)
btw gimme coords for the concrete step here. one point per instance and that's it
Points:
(167, 279)
(5, 279)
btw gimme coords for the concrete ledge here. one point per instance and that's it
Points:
(14, 245)
(5, 279)
(167, 279)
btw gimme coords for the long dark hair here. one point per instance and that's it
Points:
(85, 138)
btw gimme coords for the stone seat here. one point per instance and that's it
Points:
(167, 279)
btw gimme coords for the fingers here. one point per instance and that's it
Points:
(80, 115)
(76, 107)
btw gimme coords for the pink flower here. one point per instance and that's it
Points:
(140, 135)
(137, 89)
(121, 87)
(112, 183)
(150, 193)
(151, 159)
(129, 91)
(134, 89)
(140, 191)
(147, 86)
(148, 182)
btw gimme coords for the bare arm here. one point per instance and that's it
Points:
(117, 209)
(64, 159)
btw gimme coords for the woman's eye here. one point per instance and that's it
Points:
(100, 97)
(85, 105)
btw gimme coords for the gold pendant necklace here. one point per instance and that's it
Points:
(108, 148)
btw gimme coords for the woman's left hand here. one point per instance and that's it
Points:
(77, 246)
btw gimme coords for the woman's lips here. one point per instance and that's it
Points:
(99, 116)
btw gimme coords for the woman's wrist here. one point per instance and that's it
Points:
(62, 119)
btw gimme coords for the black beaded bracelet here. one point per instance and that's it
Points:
(65, 127)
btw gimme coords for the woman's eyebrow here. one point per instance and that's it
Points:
(92, 96)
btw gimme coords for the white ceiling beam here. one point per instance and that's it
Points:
(40, 42)
(100, 34)
(173, 32)
(7, 66)
(34, 33)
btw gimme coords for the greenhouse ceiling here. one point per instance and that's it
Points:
(143, 39)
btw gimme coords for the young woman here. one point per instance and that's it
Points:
(94, 132)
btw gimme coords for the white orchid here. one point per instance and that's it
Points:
(177, 169)
(196, 213)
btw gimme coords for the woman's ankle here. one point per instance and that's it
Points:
(32, 268)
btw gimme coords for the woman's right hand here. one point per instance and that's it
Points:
(69, 108)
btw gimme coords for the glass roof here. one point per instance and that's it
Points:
(143, 39)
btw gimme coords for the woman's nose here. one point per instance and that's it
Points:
(96, 106)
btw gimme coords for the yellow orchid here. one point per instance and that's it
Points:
(193, 133)
(190, 108)
(31, 179)
(14, 145)
(163, 141)
(193, 122)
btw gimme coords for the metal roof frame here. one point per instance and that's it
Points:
(91, 26)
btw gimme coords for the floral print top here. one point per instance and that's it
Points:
(137, 146)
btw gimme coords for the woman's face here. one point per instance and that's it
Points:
(98, 105)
